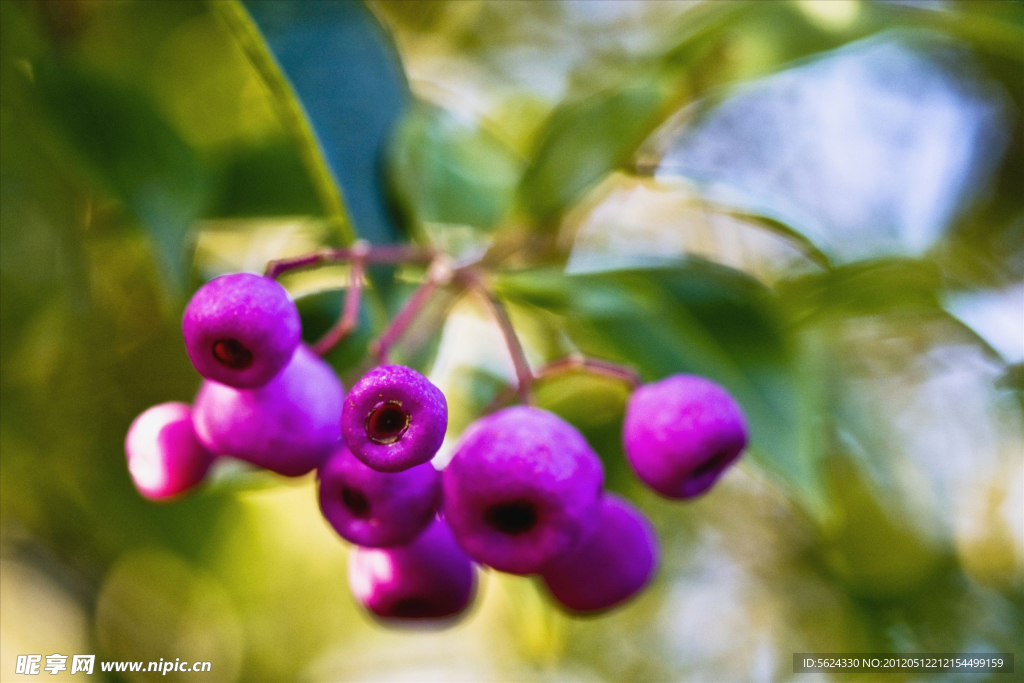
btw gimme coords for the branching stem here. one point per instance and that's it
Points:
(524, 376)
(595, 366)
(350, 313)
(440, 274)
(570, 363)
(369, 255)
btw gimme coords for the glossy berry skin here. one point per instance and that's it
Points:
(680, 434)
(165, 457)
(377, 509)
(522, 487)
(609, 566)
(289, 426)
(429, 578)
(241, 330)
(394, 418)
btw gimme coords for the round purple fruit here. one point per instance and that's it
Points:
(610, 565)
(241, 330)
(377, 509)
(680, 434)
(429, 578)
(394, 418)
(288, 425)
(164, 456)
(522, 488)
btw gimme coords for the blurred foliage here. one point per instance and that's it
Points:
(148, 146)
(448, 172)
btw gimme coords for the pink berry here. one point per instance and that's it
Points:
(165, 458)
(241, 330)
(522, 488)
(288, 425)
(680, 434)
(378, 509)
(394, 418)
(609, 566)
(429, 578)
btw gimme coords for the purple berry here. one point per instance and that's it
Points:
(681, 433)
(289, 425)
(610, 565)
(377, 509)
(164, 456)
(429, 578)
(394, 418)
(522, 488)
(241, 330)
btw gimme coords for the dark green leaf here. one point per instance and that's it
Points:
(128, 149)
(350, 90)
(265, 180)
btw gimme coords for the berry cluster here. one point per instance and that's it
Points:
(523, 492)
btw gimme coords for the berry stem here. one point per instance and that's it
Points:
(380, 253)
(350, 313)
(440, 273)
(574, 361)
(596, 366)
(524, 376)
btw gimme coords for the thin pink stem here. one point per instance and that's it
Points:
(595, 366)
(440, 273)
(350, 314)
(376, 254)
(570, 363)
(524, 376)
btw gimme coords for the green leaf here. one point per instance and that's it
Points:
(340, 88)
(584, 141)
(446, 171)
(127, 148)
(695, 318)
(269, 179)
(892, 285)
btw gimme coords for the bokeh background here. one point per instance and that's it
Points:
(818, 203)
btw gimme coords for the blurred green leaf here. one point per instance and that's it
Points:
(696, 318)
(447, 171)
(131, 152)
(864, 288)
(583, 141)
(264, 180)
(340, 88)
(869, 544)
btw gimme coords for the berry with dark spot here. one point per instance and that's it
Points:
(394, 418)
(165, 457)
(682, 433)
(522, 487)
(289, 425)
(609, 566)
(377, 509)
(429, 578)
(241, 330)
